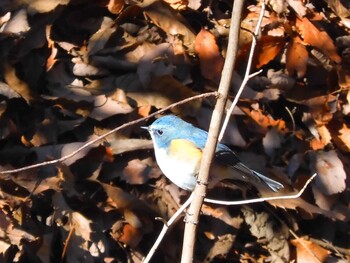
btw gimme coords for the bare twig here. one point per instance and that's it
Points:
(291, 117)
(247, 75)
(305, 246)
(62, 159)
(165, 228)
(66, 243)
(215, 124)
(262, 199)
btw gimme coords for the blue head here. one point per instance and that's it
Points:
(169, 127)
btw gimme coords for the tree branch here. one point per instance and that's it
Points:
(215, 124)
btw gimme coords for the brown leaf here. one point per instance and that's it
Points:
(166, 90)
(264, 121)
(106, 107)
(272, 141)
(158, 61)
(131, 236)
(18, 85)
(51, 60)
(338, 8)
(330, 172)
(316, 38)
(298, 6)
(267, 49)
(170, 21)
(43, 6)
(343, 71)
(177, 4)
(322, 140)
(137, 171)
(307, 208)
(115, 6)
(211, 62)
(296, 58)
(18, 23)
(325, 202)
(344, 136)
(309, 252)
(82, 225)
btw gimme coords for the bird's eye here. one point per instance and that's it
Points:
(159, 132)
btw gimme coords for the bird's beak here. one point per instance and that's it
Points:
(145, 127)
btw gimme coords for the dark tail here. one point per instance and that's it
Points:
(274, 185)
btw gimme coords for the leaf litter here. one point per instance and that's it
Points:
(72, 70)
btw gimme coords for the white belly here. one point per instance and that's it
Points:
(178, 170)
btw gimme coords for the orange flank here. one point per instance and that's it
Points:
(185, 150)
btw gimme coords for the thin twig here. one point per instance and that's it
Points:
(247, 75)
(262, 199)
(165, 228)
(62, 159)
(305, 246)
(214, 129)
(292, 232)
(292, 117)
(66, 243)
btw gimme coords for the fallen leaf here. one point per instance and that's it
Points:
(309, 252)
(82, 225)
(324, 138)
(344, 136)
(165, 90)
(264, 121)
(343, 72)
(317, 38)
(19, 86)
(272, 141)
(170, 21)
(157, 62)
(296, 58)
(298, 6)
(267, 48)
(18, 23)
(331, 175)
(325, 202)
(210, 59)
(115, 6)
(105, 107)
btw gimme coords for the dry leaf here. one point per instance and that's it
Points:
(157, 62)
(325, 202)
(170, 22)
(18, 24)
(296, 58)
(272, 141)
(115, 6)
(267, 48)
(165, 90)
(43, 6)
(316, 38)
(343, 71)
(211, 62)
(298, 6)
(309, 252)
(105, 107)
(19, 86)
(331, 175)
(344, 136)
(324, 138)
(264, 121)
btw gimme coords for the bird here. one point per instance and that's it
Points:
(178, 147)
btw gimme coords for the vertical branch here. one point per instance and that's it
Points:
(215, 124)
(247, 75)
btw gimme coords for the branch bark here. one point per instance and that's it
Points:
(215, 124)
